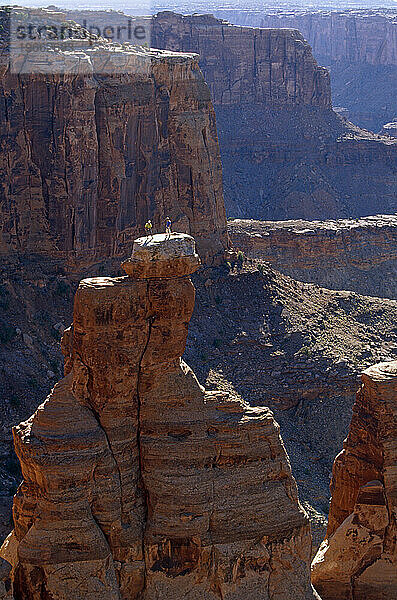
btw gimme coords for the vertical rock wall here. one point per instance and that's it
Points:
(245, 65)
(86, 159)
(358, 45)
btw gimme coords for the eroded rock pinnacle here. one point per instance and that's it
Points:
(138, 483)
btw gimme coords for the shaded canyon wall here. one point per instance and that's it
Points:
(285, 153)
(359, 47)
(358, 255)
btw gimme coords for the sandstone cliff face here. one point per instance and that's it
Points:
(358, 560)
(358, 255)
(245, 65)
(137, 482)
(359, 46)
(85, 160)
(285, 153)
(240, 64)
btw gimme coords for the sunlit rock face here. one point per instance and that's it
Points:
(285, 153)
(358, 559)
(162, 255)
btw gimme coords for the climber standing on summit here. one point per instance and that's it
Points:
(168, 225)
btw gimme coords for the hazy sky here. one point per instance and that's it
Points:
(148, 7)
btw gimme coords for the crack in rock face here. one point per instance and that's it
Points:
(138, 483)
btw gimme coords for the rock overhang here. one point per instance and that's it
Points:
(162, 256)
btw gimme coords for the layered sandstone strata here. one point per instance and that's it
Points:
(359, 46)
(285, 153)
(359, 559)
(88, 155)
(137, 482)
(247, 65)
(348, 254)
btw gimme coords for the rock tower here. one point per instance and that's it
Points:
(359, 559)
(139, 484)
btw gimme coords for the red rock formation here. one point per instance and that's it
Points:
(364, 35)
(285, 153)
(86, 160)
(359, 559)
(244, 65)
(136, 480)
(358, 255)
